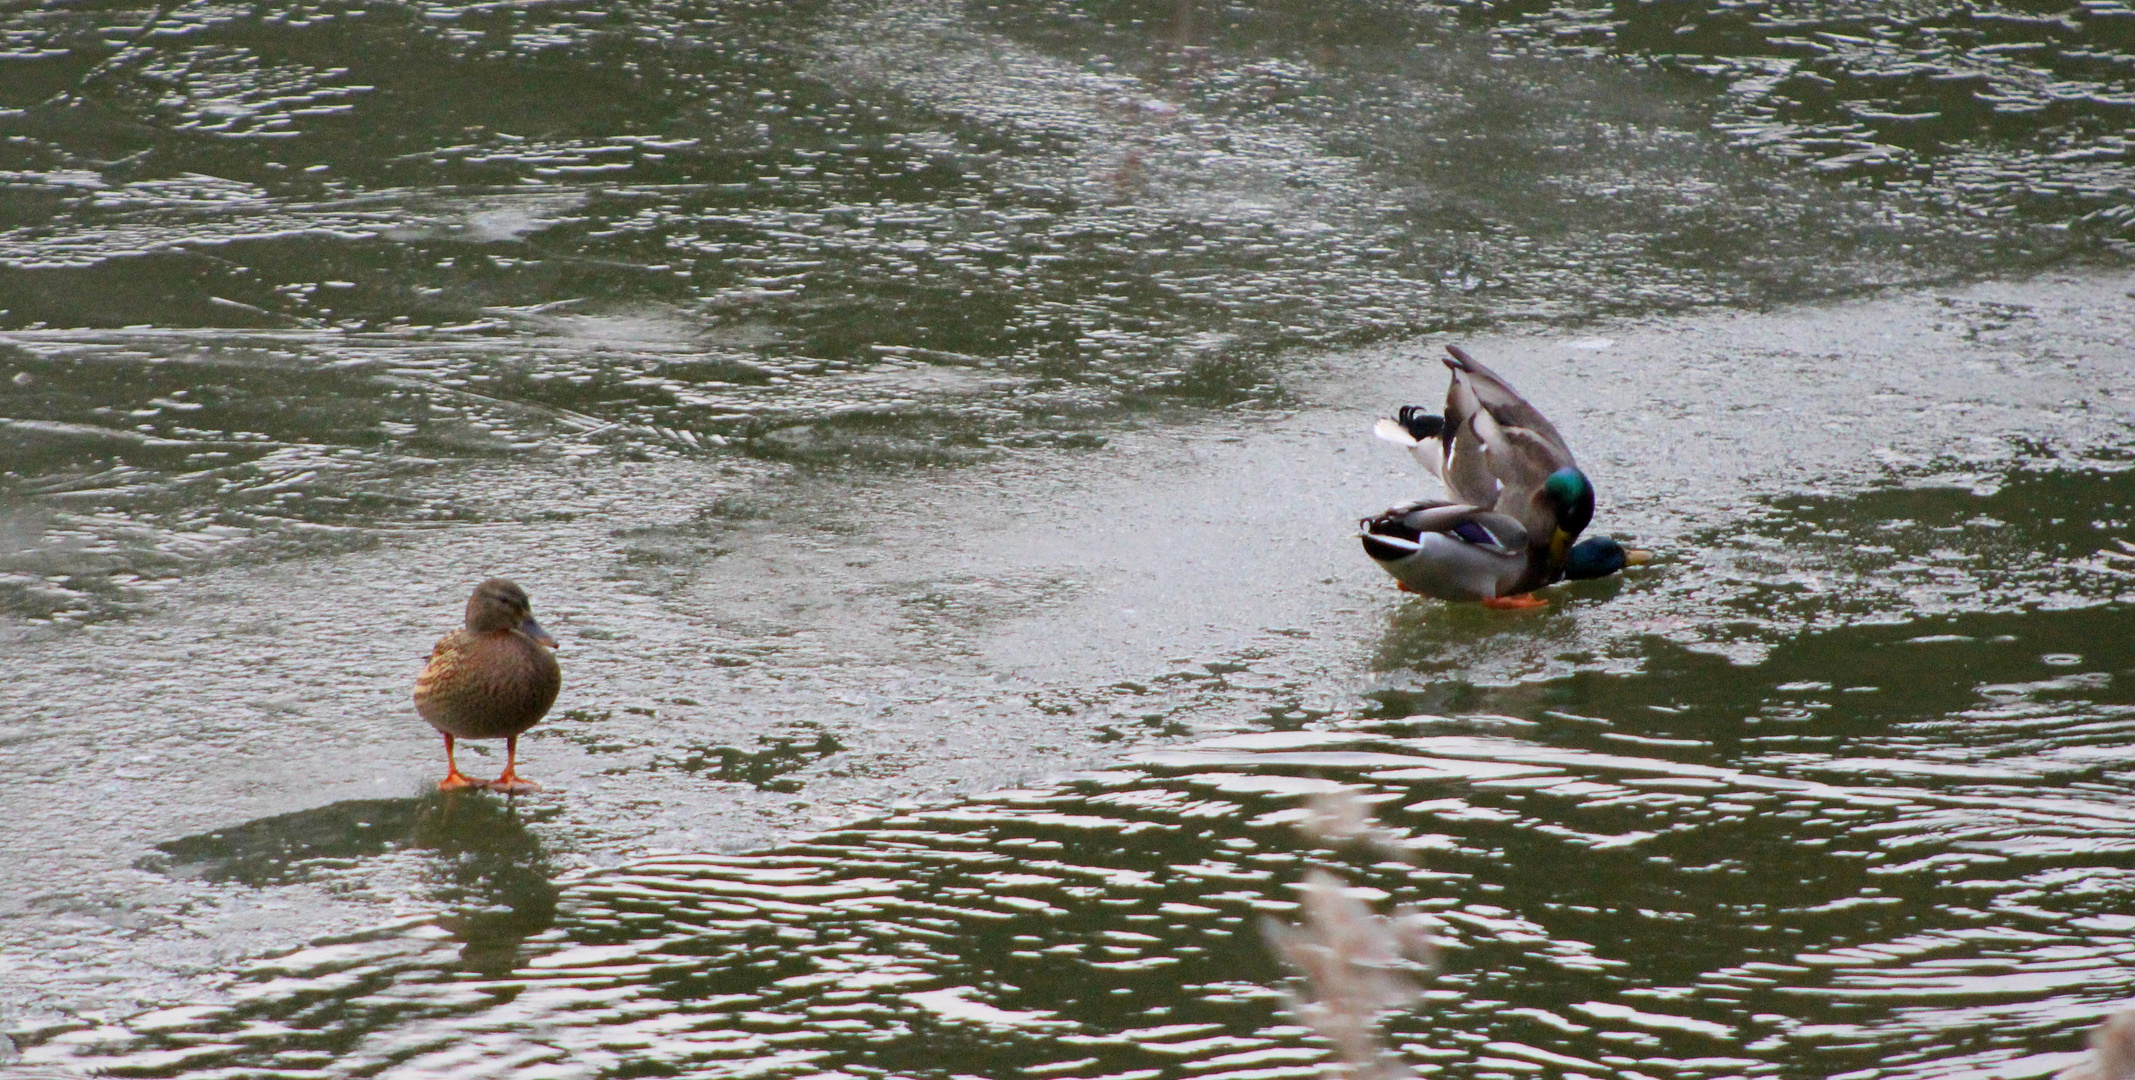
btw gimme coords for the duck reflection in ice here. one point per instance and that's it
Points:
(478, 860)
(491, 872)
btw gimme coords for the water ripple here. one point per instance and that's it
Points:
(1650, 916)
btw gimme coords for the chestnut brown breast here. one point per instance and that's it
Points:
(486, 686)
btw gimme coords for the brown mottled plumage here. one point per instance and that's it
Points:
(491, 679)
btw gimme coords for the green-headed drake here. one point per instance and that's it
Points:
(491, 679)
(1519, 500)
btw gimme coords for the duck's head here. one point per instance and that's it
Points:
(1600, 556)
(1570, 498)
(500, 605)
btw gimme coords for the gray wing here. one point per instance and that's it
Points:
(1472, 524)
(1500, 448)
(1467, 470)
(1487, 392)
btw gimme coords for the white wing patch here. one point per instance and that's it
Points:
(1427, 452)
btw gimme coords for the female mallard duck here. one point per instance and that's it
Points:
(490, 680)
(1519, 500)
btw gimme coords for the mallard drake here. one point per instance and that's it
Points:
(1519, 499)
(490, 679)
(1457, 552)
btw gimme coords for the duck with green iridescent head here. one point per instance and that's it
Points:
(1519, 500)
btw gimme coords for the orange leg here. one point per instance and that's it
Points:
(1522, 602)
(454, 779)
(509, 783)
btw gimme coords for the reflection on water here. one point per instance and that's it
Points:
(288, 847)
(1889, 850)
(482, 865)
(489, 875)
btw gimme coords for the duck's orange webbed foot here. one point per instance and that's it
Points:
(455, 780)
(1404, 587)
(1522, 602)
(511, 784)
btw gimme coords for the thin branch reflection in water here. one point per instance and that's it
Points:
(1356, 964)
(2112, 1055)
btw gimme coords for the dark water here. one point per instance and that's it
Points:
(935, 433)
(1841, 859)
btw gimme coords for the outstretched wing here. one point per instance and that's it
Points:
(1494, 395)
(1503, 448)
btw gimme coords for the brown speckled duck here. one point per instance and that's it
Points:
(491, 679)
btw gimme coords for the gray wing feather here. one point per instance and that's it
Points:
(1503, 449)
(1490, 392)
(1510, 535)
